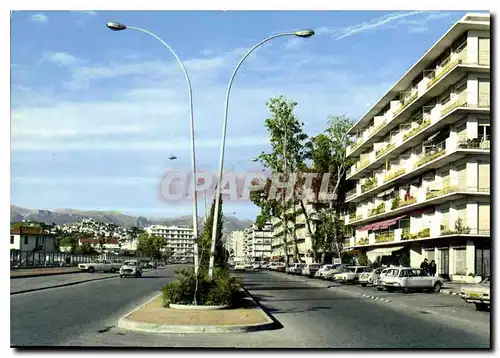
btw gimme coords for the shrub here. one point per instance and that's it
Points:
(221, 291)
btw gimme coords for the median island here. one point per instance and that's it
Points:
(220, 305)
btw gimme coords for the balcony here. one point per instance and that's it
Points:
(384, 150)
(368, 184)
(363, 241)
(438, 151)
(475, 143)
(351, 194)
(394, 174)
(407, 98)
(384, 236)
(424, 233)
(424, 124)
(365, 137)
(379, 209)
(398, 203)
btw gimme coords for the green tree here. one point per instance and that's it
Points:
(205, 240)
(70, 241)
(150, 246)
(86, 249)
(362, 259)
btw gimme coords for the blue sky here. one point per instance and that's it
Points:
(95, 113)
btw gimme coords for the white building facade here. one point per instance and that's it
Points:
(178, 239)
(257, 243)
(236, 244)
(422, 170)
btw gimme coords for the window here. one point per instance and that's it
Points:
(11, 239)
(484, 131)
(26, 240)
(460, 261)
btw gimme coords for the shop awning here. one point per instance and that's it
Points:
(382, 224)
(383, 251)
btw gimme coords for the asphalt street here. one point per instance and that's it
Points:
(320, 317)
(54, 315)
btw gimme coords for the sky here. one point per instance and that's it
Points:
(95, 114)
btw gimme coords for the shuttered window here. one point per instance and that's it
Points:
(445, 219)
(484, 219)
(462, 176)
(484, 93)
(483, 176)
(484, 51)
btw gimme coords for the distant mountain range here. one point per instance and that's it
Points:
(65, 216)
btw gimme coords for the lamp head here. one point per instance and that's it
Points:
(116, 26)
(304, 33)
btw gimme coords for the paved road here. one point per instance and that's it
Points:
(318, 317)
(52, 316)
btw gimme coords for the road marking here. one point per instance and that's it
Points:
(374, 297)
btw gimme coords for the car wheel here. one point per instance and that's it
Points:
(355, 281)
(481, 307)
(363, 285)
(121, 276)
(437, 287)
(112, 270)
(91, 269)
(406, 290)
(390, 289)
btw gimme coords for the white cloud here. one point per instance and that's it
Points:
(60, 58)
(388, 21)
(40, 17)
(88, 12)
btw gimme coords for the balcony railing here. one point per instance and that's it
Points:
(398, 203)
(443, 71)
(362, 163)
(394, 174)
(419, 235)
(385, 149)
(475, 143)
(385, 236)
(425, 123)
(437, 151)
(363, 241)
(405, 101)
(351, 194)
(355, 217)
(380, 209)
(369, 184)
(370, 132)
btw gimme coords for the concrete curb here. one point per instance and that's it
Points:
(45, 274)
(125, 323)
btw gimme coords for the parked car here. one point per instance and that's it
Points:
(256, 266)
(281, 267)
(323, 269)
(478, 294)
(408, 279)
(100, 265)
(296, 269)
(239, 266)
(131, 268)
(310, 269)
(369, 276)
(329, 274)
(378, 282)
(351, 274)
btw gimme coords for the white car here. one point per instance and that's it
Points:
(478, 294)
(131, 268)
(351, 274)
(408, 279)
(330, 273)
(370, 276)
(239, 266)
(322, 269)
(310, 269)
(296, 269)
(100, 265)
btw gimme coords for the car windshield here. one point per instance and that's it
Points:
(351, 269)
(486, 280)
(130, 263)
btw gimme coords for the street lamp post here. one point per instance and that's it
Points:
(301, 33)
(119, 27)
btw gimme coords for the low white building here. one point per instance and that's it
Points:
(178, 239)
(31, 238)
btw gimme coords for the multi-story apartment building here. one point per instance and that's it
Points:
(422, 153)
(257, 243)
(236, 244)
(179, 240)
(304, 242)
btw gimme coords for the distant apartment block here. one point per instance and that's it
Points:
(257, 243)
(179, 240)
(422, 154)
(236, 244)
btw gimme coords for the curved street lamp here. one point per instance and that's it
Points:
(115, 26)
(301, 33)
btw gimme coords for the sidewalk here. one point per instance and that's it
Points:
(41, 271)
